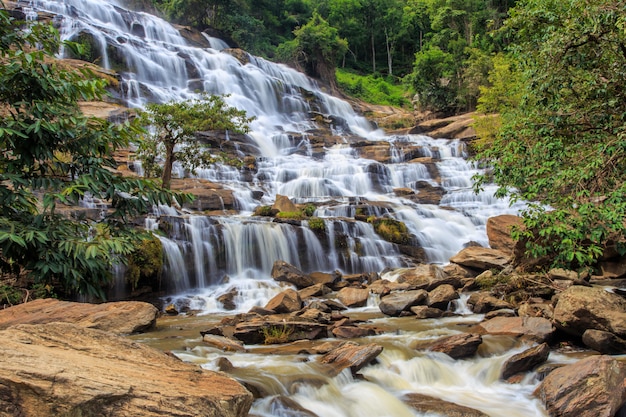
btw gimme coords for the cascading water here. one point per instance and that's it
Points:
(341, 173)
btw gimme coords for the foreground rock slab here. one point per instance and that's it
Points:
(426, 404)
(592, 387)
(122, 317)
(350, 355)
(61, 369)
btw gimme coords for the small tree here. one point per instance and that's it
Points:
(173, 128)
(51, 156)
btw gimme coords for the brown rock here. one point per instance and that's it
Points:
(536, 329)
(525, 361)
(60, 369)
(591, 387)
(441, 296)
(287, 301)
(208, 195)
(544, 309)
(425, 312)
(425, 404)
(352, 332)
(580, 308)
(604, 342)
(285, 272)
(481, 258)
(484, 302)
(353, 297)
(325, 278)
(384, 287)
(428, 277)
(274, 332)
(458, 346)
(122, 317)
(499, 232)
(315, 290)
(397, 302)
(350, 355)
(284, 204)
(223, 343)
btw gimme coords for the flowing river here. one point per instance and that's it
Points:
(207, 256)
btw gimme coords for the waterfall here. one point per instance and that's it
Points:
(354, 169)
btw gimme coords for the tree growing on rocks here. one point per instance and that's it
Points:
(173, 128)
(51, 157)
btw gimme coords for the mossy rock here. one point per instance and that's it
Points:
(145, 263)
(391, 230)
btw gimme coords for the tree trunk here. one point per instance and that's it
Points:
(166, 178)
(373, 54)
(389, 58)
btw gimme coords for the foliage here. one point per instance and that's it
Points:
(391, 230)
(293, 215)
(51, 156)
(145, 262)
(173, 130)
(372, 89)
(308, 210)
(315, 48)
(562, 141)
(277, 334)
(265, 211)
(317, 225)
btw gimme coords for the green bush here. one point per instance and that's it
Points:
(145, 262)
(317, 225)
(372, 89)
(391, 230)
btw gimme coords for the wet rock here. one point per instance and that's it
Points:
(284, 204)
(273, 332)
(287, 301)
(581, 308)
(228, 300)
(171, 310)
(428, 277)
(397, 302)
(315, 290)
(481, 258)
(525, 361)
(483, 302)
(224, 365)
(458, 346)
(353, 297)
(504, 312)
(208, 195)
(261, 311)
(223, 343)
(315, 315)
(352, 332)
(499, 232)
(425, 312)
(604, 342)
(384, 287)
(60, 369)
(441, 296)
(325, 278)
(425, 404)
(122, 317)
(535, 329)
(350, 355)
(285, 272)
(285, 406)
(591, 387)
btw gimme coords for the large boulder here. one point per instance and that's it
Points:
(441, 297)
(353, 297)
(604, 342)
(483, 302)
(397, 302)
(285, 272)
(427, 277)
(535, 329)
(580, 308)
(525, 361)
(481, 258)
(121, 317)
(287, 301)
(592, 387)
(499, 232)
(349, 355)
(60, 369)
(458, 346)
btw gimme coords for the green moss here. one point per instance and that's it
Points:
(317, 225)
(145, 263)
(293, 215)
(308, 210)
(265, 211)
(391, 230)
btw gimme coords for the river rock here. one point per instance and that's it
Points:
(61, 369)
(353, 297)
(441, 297)
(534, 309)
(350, 355)
(287, 301)
(483, 302)
(285, 272)
(458, 346)
(284, 204)
(536, 329)
(285, 406)
(604, 342)
(525, 361)
(425, 312)
(499, 232)
(121, 317)
(273, 332)
(383, 287)
(315, 290)
(223, 343)
(325, 277)
(481, 258)
(428, 277)
(425, 404)
(580, 308)
(397, 302)
(592, 387)
(352, 332)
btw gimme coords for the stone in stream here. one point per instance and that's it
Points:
(536, 329)
(430, 405)
(397, 302)
(425, 312)
(349, 355)
(441, 297)
(287, 301)
(481, 258)
(427, 277)
(604, 342)
(61, 369)
(285, 406)
(285, 272)
(525, 361)
(592, 387)
(483, 302)
(272, 332)
(353, 297)
(458, 346)
(223, 343)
